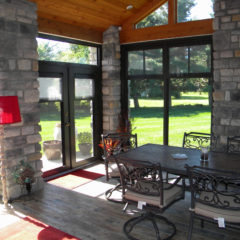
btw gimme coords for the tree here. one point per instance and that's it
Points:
(45, 51)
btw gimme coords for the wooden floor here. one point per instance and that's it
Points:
(92, 217)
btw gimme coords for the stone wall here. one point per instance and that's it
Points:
(226, 95)
(18, 76)
(111, 83)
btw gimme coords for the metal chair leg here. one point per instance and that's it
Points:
(190, 228)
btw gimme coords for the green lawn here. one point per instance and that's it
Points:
(190, 113)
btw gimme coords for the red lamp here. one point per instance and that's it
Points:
(9, 113)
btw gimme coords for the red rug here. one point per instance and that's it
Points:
(31, 229)
(75, 179)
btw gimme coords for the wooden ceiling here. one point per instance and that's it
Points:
(87, 20)
(84, 19)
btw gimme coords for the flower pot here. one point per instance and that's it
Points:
(52, 149)
(85, 148)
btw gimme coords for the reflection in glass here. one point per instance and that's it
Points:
(135, 63)
(83, 128)
(50, 88)
(146, 110)
(178, 60)
(156, 18)
(52, 50)
(190, 108)
(83, 88)
(194, 10)
(200, 59)
(51, 144)
(153, 61)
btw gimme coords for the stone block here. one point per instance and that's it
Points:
(12, 132)
(236, 17)
(34, 157)
(226, 54)
(29, 149)
(225, 121)
(12, 64)
(35, 138)
(105, 91)
(235, 122)
(227, 96)
(229, 85)
(226, 19)
(234, 39)
(235, 95)
(13, 153)
(31, 96)
(24, 64)
(226, 72)
(221, 40)
(237, 53)
(28, 130)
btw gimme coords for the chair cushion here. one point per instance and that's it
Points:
(113, 171)
(232, 216)
(168, 196)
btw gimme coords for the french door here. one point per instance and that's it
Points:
(70, 115)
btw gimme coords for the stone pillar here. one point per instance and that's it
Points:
(111, 84)
(18, 76)
(226, 61)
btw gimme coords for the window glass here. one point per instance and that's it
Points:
(83, 88)
(156, 18)
(146, 109)
(153, 61)
(189, 108)
(192, 59)
(190, 10)
(200, 58)
(50, 88)
(51, 50)
(178, 60)
(135, 63)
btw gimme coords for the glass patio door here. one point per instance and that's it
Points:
(67, 105)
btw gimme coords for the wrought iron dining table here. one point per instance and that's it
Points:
(155, 154)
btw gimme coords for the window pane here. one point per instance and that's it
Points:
(146, 110)
(51, 134)
(50, 88)
(178, 60)
(200, 59)
(51, 50)
(83, 129)
(83, 88)
(156, 18)
(190, 108)
(190, 10)
(153, 61)
(135, 63)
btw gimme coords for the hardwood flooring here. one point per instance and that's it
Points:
(93, 218)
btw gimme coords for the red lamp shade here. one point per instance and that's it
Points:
(9, 110)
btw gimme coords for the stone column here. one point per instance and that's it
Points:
(226, 61)
(111, 83)
(18, 76)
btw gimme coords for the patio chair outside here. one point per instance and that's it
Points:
(143, 184)
(211, 200)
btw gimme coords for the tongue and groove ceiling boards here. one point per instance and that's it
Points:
(88, 19)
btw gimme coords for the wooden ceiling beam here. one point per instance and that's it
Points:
(186, 29)
(63, 29)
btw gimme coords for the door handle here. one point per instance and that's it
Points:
(67, 124)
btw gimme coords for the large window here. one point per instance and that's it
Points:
(169, 90)
(156, 18)
(58, 51)
(191, 10)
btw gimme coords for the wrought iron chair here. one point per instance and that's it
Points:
(210, 199)
(197, 140)
(113, 144)
(233, 144)
(143, 183)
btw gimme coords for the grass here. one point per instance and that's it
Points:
(190, 113)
